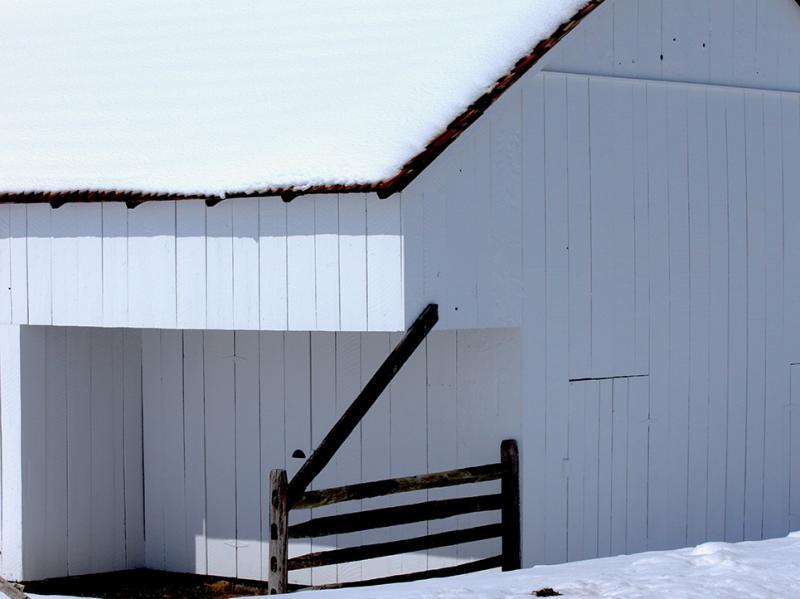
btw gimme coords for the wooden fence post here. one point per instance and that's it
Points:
(278, 533)
(512, 554)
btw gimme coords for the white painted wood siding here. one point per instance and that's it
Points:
(254, 398)
(655, 217)
(742, 43)
(72, 451)
(324, 263)
(673, 259)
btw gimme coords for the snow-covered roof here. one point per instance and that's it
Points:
(231, 98)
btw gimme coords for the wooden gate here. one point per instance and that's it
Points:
(287, 495)
(506, 502)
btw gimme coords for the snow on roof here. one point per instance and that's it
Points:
(214, 99)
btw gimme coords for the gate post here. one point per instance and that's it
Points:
(509, 488)
(278, 533)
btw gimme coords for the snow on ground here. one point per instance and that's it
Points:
(742, 570)
(209, 97)
(753, 570)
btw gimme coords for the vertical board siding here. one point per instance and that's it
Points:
(347, 461)
(534, 341)
(38, 234)
(699, 413)
(298, 366)
(384, 265)
(605, 473)
(55, 401)
(220, 441)
(76, 266)
(713, 41)
(151, 438)
(777, 377)
(326, 228)
(190, 264)
(82, 507)
(151, 266)
(34, 414)
(557, 310)
(115, 264)
(323, 417)
(245, 264)
(376, 445)
(11, 444)
(408, 401)
(273, 307)
(251, 399)
(5, 264)
(611, 214)
(219, 266)
(462, 226)
(248, 456)
(353, 299)
(794, 448)
(323, 263)
(171, 452)
(442, 429)
(79, 450)
(681, 293)
(300, 261)
(272, 359)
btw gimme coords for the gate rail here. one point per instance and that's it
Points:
(508, 529)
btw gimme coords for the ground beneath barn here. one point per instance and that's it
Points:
(146, 584)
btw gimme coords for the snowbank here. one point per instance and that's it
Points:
(743, 570)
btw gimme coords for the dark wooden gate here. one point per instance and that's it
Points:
(286, 495)
(506, 502)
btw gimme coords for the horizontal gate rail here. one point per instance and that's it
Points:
(508, 529)
(393, 516)
(463, 476)
(354, 554)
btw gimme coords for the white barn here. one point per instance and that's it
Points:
(603, 199)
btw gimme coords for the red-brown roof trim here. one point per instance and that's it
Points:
(384, 188)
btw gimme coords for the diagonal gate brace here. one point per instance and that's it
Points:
(355, 413)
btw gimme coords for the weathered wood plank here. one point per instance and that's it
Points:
(394, 516)
(380, 488)
(512, 549)
(351, 554)
(353, 415)
(278, 537)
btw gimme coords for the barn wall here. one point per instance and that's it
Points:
(658, 251)
(640, 231)
(10, 453)
(462, 226)
(741, 43)
(658, 216)
(223, 408)
(72, 447)
(317, 263)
